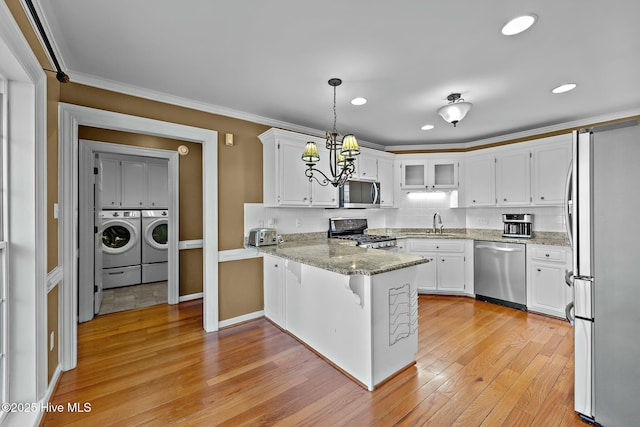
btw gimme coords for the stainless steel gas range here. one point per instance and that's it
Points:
(355, 229)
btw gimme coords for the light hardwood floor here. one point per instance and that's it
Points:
(478, 364)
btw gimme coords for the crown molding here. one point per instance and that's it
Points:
(88, 80)
(517, 136)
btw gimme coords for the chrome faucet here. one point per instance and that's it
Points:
(437, 219)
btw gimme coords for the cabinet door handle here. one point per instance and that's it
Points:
(505, 200)
(541, 197)
(538, 269)
(473, 201)
(547, 255)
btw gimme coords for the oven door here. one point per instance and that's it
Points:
(360, 194)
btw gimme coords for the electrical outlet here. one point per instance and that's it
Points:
(298, 222)
(260, 224)
(271, 222)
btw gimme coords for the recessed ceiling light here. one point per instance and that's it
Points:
(358, 101)
(427, 127)
(519, 24)
(564, 88)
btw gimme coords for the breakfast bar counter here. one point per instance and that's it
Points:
(355, 307)
(342, 257)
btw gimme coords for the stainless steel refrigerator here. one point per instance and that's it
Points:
(605, 225)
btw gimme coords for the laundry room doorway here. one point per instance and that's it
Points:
(123, 265)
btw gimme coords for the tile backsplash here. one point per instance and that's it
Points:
(414, 210)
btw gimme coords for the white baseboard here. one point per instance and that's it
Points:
(240, 319)
(190, 297)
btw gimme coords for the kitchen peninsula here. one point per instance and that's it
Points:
(355, 307)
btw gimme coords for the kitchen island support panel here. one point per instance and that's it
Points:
(364, 325)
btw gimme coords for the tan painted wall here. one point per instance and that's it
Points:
(239, 278)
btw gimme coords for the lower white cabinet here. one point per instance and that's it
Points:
(274, 282)
(445, 271)
(547, 292)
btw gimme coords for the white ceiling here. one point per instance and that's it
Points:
(273, 58)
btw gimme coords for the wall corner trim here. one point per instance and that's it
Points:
(240, 319)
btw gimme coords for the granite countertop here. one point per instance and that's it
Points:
(342, 257)
(539, 238)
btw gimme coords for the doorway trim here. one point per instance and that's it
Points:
(87, 151)
(70, 117)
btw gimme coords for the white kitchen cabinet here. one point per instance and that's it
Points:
(385, 177)
(513, 178)
(132, 182)
(109, 169)
(480, 178)
(284, 180)
(157, 184)
(427, 281)
(134, 177)
(450, 272)
(547, 291)
(274, 282)
(445, 271)
(366, 166)
(550, 165)
(429, 174)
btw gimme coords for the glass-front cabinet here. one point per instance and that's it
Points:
(439, 174)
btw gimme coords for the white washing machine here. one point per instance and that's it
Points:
(121, 248)
(155, 245)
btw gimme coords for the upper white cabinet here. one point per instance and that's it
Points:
(157, 184)
(284, 180)
(367, 166)
(550, 166)
(386, 179)
(109, 169)
(480, 178)
(428, 174)
(130, 182)
(524, 174)
(134, 177)
(513, 182)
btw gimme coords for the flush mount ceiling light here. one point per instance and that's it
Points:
(427, 127)
(359, 101)
(564, 88)
(519, 24)
(455, 110)
(341, 153)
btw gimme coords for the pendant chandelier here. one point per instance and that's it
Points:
(341, 153)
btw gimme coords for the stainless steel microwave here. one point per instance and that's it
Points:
(360, 194)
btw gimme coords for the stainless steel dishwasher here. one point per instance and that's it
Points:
(499, 273)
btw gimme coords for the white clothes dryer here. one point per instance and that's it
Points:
(155, 245)
(120, 232)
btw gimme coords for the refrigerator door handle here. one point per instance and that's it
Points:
(568, 278)
(568, 204)
(567, 312)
